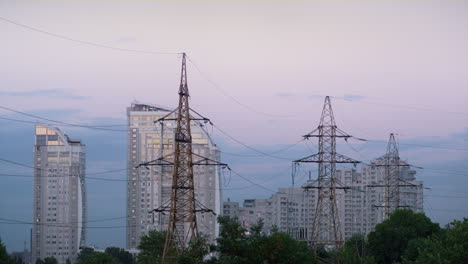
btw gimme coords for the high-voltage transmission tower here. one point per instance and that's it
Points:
(390, 165)
(182, 206)
(326, 221)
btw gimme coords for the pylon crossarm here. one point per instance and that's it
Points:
(202, 118)
(165, 118)
(343, 159)
(311, 134)
(162, 161)
(204, 161)
(319, 158)
(202, 208)
(312, 158)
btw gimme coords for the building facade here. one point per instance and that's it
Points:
(59, 215)
(231, 209)
(150, 188)
(292, 210)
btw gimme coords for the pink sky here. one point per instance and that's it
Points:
(391, 53)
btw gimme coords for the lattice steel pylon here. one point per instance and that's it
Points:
(182, 215)
(326, 228)
(182, 206)
(391, 164)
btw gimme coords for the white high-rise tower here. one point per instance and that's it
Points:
(59, 219)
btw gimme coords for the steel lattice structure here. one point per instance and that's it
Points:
(326, 221)
(182, 206)
(182, 218)
(390, 166)
(392, 177)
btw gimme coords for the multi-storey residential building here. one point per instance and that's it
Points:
(59, 217)
(150, 188)
(253, 210)
(292, 210)
(231, 209)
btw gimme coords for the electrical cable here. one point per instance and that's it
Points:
(217, 87)
(414, 145)
(401, 106)
(87, 42)
(64, 225)
(254, 183)
(54, 124)
(259, 155)
(249, 147)
(60, 122)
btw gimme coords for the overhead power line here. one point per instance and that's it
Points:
(226, 94)
(89, 43)
(251, 148)
(58, 122)
(446, 196)
(70, 225)
(54, 124)
(401, 106)
(252, 182)
(413, 145)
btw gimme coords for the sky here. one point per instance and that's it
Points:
(259, 70)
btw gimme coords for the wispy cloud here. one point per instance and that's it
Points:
(51, 93)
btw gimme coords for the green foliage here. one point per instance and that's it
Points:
(151, 247)
(414, 247)
(231, 241)
(236, 247)
(354, 251)
(50, 260)
(4, 258)
(449, 247)
(97, 258)
(112, 255)
(390, 239)
(85, 253)
(404, 233)
(198, 248)
(120, 255)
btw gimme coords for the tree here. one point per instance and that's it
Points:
(97, 258)
(390, 239)
(4, 258)
(231, 241)
(50, 260)
(151, 247)
(119, 254)
(354, 251)
(198, 248)
(446, 247)
(85, 253)
(236, 246)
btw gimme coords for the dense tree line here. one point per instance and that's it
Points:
(404, 238)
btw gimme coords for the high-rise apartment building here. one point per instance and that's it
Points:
(361, 207)
(150, 188)
(59, 216)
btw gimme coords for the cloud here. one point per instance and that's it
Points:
(351, 97)
(51, 93)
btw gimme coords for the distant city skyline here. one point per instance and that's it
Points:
(259, 70)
